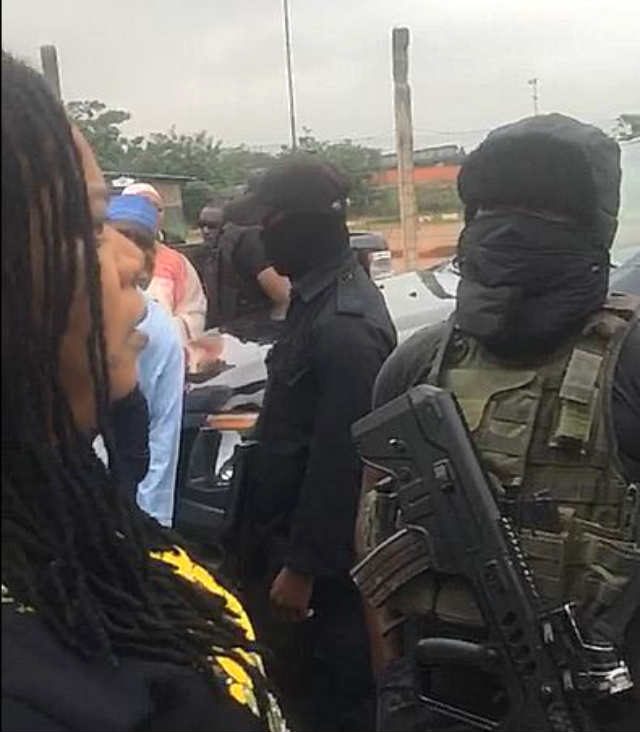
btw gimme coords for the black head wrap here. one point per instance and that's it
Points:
(541, 201)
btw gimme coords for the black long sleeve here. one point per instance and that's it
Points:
(130, 422)
(346, 357)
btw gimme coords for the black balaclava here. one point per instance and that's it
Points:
(300, 242)
(541, 199)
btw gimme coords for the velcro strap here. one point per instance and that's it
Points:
(597, 590)
(578, 398)
(631, 514)
(580, 526)
(581, 376)
(617, 557)
(543, 545)
(546, 554)
(575, 420)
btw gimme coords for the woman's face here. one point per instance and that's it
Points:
(121, 269)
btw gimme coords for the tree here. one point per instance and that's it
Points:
(171, 153)
(627, 127)
(218, 170)
(238, 164)
(195, 195)
(355, 162)
(101, 126)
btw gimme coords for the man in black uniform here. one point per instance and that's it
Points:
(241, 283)
(210, 222)
(306, 472)
(546, 370)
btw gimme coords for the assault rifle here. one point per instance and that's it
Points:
(446, 519)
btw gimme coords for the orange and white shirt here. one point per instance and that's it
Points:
(176, 286)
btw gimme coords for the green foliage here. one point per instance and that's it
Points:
(195, 195)
(432, 199)
(101, 127)
(237, 164)
(219, 171)
(627, 127)
(171, 153)
(383, 203)
(438, 198)
(354, 161)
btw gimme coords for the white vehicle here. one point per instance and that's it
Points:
(415, 299)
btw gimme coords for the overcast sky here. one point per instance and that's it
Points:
(219, 64)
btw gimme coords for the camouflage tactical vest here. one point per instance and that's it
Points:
(545, 428)
(548, 428)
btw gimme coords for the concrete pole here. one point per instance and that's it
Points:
(50, 70)
(533, 83)
(290, 88)
(404, 145)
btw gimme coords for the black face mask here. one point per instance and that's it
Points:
(298, 243)
(527, 282)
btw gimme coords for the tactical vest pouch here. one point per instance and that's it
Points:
(601, 565)
(546, 554)
(585, 563)
(500, 406)
(578, 398)
(474, 388)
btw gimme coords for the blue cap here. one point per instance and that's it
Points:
(135, 209)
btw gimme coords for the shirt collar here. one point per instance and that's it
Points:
(317, 280)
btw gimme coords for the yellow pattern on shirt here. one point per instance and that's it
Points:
(240, 686)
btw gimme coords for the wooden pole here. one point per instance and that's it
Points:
(50, 70)
(404, 145)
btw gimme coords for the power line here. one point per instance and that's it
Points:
(603, 122)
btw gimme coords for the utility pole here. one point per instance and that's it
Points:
(404, 145)
(533, 83)
(50, 70)
(292, 107)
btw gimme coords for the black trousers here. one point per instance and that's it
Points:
(321, 667)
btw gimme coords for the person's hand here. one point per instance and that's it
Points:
(290, 595)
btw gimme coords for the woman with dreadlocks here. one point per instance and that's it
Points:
(106, 623)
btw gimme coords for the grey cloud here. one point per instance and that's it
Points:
(219, 65)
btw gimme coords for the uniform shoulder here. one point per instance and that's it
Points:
(409, 364)
(357, 293)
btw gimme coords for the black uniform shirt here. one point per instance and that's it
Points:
(48, 688)
(321, 376)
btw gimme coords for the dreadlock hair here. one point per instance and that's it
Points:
(74, 547)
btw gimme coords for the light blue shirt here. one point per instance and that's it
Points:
(161, 378)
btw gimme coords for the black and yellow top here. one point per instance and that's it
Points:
(46, 687)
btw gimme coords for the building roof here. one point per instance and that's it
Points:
(111, 174)
(429, 148)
